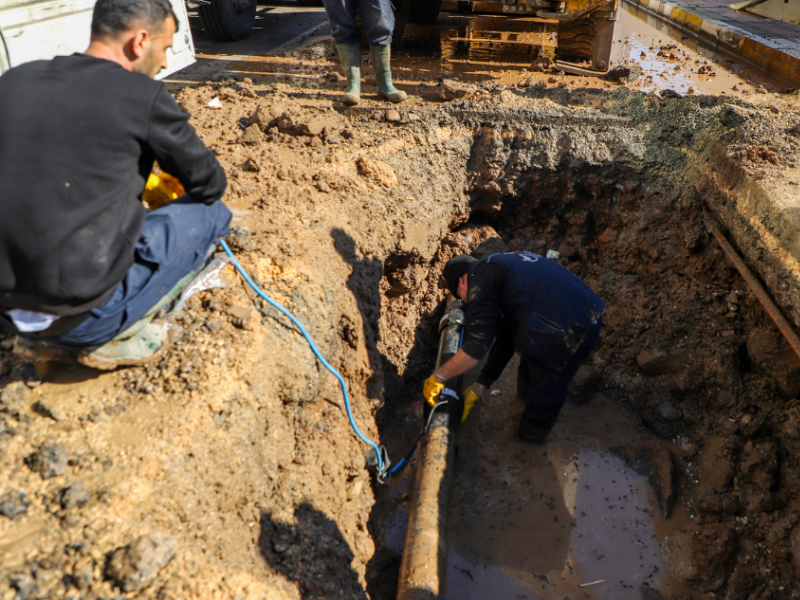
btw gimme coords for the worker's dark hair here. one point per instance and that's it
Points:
(454, 269)
(112, 17)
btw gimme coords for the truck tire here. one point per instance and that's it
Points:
(228, 20)
(424, 11)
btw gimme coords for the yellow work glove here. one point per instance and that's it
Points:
(432, 388)
(470, 398)
(161, 189)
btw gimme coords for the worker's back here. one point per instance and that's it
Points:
(71, 170)
(549, 309)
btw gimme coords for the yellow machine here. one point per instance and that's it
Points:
(585, 28)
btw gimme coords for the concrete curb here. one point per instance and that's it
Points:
(778, 57)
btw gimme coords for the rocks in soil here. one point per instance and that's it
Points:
(771, 355)
(265, 115)
(700, 556)
(252, 135)
(14, 395)
(656, 361)
(46, 408)
(794, 546)
(50, 460)
(393, 116)
(759, 467)
(135, 566)
(376, 171)
(716, 464)
(622, 74)
(448, 89)
(241, 316)
(75, 496)
(83, 572)
(657, 465)
(541, 64)
(14, 502)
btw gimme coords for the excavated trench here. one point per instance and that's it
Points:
(229, 468)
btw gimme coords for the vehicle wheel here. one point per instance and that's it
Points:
(424, 11)
(228, 20)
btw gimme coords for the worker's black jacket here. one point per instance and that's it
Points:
(78, 137)
(530, 304)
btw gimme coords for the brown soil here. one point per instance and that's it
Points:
(228, 468)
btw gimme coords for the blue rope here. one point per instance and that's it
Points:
(314, 349)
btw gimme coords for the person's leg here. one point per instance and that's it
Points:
(378, 20)
(523, 381)
(347, 35)
(547, 391)
(175, 241)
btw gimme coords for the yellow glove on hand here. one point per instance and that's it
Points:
(470, 398)
(432, 389)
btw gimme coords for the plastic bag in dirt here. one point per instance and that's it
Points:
(209, 278)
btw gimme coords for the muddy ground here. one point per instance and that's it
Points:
(228, 469)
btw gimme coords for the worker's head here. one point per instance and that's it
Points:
(142, 30)
(455, 275)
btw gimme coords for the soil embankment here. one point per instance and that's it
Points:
(228, 468)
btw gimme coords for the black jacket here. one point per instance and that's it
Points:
(528, 303)
(78, 137)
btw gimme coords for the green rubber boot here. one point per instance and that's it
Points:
(350, 57)
(381, 57)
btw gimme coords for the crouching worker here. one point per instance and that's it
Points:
(531, 305)
(83, 266)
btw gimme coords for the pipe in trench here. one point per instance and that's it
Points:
(761, 293)
(424, 564)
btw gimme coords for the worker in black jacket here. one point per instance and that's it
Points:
(531, 305)
(81, 260)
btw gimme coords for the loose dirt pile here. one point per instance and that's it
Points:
(228, 468)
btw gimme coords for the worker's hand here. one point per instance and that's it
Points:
(473, 393)
(432, 388)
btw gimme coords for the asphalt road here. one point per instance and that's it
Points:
(279, 27)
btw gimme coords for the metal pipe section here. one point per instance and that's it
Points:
(424, 564)
(763, 296)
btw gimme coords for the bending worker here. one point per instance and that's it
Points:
(82, 264)
(531, 305)
(377, 18)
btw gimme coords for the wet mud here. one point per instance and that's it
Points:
(228, 468)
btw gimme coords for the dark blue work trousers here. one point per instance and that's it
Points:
(544, 391)
(377, 18)
(175, 240)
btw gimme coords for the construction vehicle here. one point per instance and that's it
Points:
(585, 28)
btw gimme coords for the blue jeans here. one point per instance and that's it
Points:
(377, 19)
(175, 240)
(545, 392)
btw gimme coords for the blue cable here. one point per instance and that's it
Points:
(314, 349)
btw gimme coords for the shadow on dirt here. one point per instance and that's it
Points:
(312, 553)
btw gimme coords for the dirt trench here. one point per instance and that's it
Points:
(228, 468)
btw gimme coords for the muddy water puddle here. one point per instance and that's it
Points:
(567, 519)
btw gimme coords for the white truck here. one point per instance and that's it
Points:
(42, 29)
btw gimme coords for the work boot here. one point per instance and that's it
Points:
(146, 345)
(350, 57)
(381, 56)
(533, 434)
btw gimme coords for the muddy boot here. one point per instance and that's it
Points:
(528, 432)
(147, 344)
(350, 57)
(383, 74)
